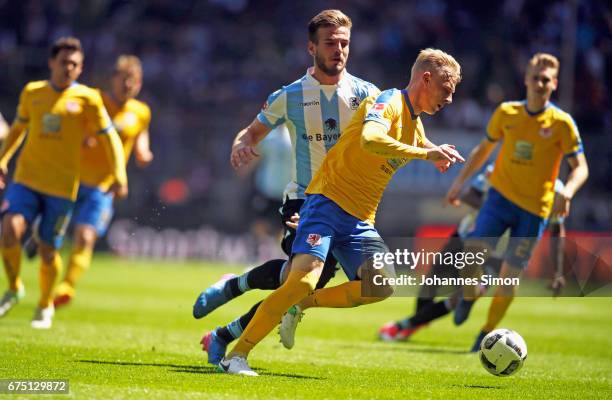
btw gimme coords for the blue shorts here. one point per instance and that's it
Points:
(498, 214)
(93, 207)
(54, 211)
(325, 227)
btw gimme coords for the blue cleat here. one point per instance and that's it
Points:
(476, 347)
(214, 346)
(213, 297)
(462, 311)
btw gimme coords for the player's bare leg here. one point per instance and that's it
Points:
(346, 295)
(302, 279)
(13, 228)
(85, 237)
(50, 268)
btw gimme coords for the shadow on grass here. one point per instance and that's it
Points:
(195, 369)
(477, 387)
(396, 348)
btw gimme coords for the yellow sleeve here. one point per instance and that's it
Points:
(384, 110)
(107, 136)
(96, 114)
(113, 147)
(17, 131)
(375, 139)
(571, 144)
(494, 128)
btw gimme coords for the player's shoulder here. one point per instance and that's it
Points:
(139, 107)
(362, 87)
(558, 114)
(34, 86)
(86, 92)
(389, 95)
(293, 87)
(512, 107)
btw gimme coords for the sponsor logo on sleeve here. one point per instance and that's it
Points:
(314, 239)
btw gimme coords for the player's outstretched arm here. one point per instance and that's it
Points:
(114, 151)
(10, 145)
(374, 139)
(243, 148)
(579, 172)
(142, 149)
(475, 161)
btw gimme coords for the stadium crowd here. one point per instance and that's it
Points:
(209, 64)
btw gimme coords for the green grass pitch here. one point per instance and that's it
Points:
(130, 334)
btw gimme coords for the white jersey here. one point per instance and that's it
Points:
(315, 116)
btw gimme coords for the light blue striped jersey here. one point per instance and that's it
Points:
(315, 116)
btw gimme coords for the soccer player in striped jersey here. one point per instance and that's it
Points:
(338, 215)
(57, 115)
(315, 109)
(94, 204)
(535, 135)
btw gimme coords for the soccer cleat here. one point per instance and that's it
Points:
(43, 318)
(10, 299)
(476, 347)
(213, 297)
(214, 346)
(236, 365)
(64, 295)
(288, 325)
(462, 311)
(392, 332)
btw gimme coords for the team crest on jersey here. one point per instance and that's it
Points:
(314, 239)
(354, 103)
(545, 133)
(73, 107)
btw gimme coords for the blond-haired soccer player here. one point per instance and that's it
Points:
(315, 109)
(94, 204)
(57, 115)
(338, 215)
(535, 135)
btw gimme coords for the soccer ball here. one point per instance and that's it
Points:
(502, 352)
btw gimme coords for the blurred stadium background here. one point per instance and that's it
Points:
(210, 65)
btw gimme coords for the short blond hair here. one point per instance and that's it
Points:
(543, 60)
(327, 18)
(128, 62)
(435, 59)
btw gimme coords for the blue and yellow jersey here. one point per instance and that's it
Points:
(532, 148)
(57, 123)
(130, 119)
(354, 178)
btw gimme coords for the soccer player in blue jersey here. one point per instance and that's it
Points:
(315, 110)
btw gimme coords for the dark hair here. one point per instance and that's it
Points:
(66, 43)
(327, 18)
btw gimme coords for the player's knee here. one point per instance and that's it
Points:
(47, 253)
(13, 228)
(85, 237)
